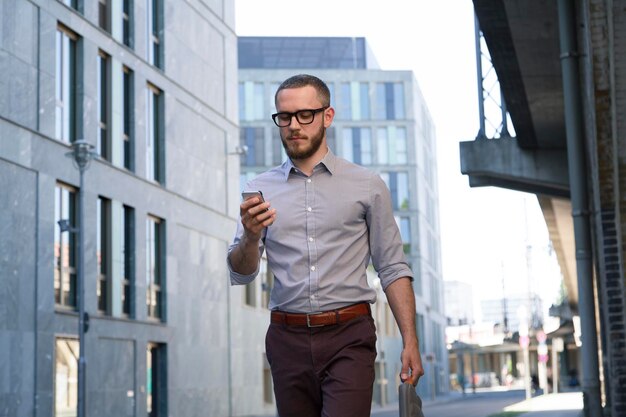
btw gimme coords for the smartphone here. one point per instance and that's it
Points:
(249, 194)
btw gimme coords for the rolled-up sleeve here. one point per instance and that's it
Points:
(235, 277)
(385, 242)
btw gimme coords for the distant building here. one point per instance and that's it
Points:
(381, 122)
(506, 312)
(459, 305)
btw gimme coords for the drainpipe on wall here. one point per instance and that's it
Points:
(580, 206)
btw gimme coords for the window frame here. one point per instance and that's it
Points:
(71, 269)
(66, 84)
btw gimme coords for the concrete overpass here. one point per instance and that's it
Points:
(561, 67)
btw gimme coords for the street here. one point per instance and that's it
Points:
(481, 404)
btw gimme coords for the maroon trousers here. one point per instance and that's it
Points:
(323, 371)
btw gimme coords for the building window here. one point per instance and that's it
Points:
(331, 142)
(155, 32)
(391, 145)
(398, 184)
(128, 250)
(104, 106)
(354, 102)
(357, 145)
(389, 101)
(278, 150)
(404, 224)
(127, 22)
(250, 294)
(72, 3)
(156, 377)
(104, 15)
(155, 266)
(65, 377)
(251, 101)
(154, 134)
(103, 254)
(64, 246)
(253, 138)
(128, 149)
(267, 283)
(268, 385)
(65, 85)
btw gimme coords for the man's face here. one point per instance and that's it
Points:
(303, 141)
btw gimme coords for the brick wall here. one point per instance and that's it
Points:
(607, 30)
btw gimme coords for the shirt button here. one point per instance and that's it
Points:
(313, 268)
(310, 239)
(308, 180)
(309, 209)
(313, 297)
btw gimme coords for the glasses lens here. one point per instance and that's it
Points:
(283, 119)
(305, 116)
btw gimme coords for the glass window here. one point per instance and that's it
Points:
(331, 142)
(357, 145)
(364, 101)
(389, 101)
(155, 32)
(155, 264)
(391, 144)
(156, 388)
(128, 250)
(252, 101)
(127, 22)
(398, 184)
(128, 111)
(65, 85)
(64, 246)
(278, 151)
(253, 138)
(344, 104)
(66, 353)
(104, 103)
(103, 254)
(404, 224)
(104, 15)
(72, 3)
(154, 134)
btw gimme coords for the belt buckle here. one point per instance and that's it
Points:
(308, 320)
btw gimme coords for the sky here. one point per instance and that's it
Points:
(484, 231)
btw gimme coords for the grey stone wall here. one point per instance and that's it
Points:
(199, 204)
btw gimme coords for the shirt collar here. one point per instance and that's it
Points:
(329, 161)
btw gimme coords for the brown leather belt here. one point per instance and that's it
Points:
(340, 315)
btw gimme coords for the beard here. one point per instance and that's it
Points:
(306, 150)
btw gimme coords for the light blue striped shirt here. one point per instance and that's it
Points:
(327, 227)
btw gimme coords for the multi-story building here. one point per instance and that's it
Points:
(383, 123)
(151, 84)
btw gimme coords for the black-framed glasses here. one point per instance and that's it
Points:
(304, 117)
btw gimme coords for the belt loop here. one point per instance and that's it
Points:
(337, 317)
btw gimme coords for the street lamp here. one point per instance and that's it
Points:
(82, 154)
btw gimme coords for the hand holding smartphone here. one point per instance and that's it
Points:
(250, 194)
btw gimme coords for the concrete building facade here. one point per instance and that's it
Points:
(152, 85)
(383, 123)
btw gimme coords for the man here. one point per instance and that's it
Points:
(322, 220)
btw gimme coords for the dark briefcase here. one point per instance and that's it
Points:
(410, 403)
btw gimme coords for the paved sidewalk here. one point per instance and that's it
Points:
(566, 404)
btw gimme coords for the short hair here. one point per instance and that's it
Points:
(303, 80)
